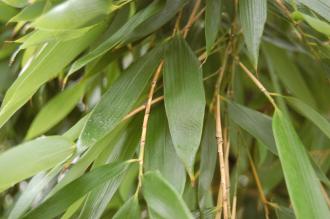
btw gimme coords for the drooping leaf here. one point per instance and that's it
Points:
(257, 124)
(288, 73)
(16, 3)
(253, 15)
(212, 22)
(118, 37)
(31, 12)
(35, 187)
(119, 99)
(124, 148)
(56, 109)
(311, 114)
(29, 158)
(46, 65)
(184, 100)
(305, 193)
(315, 23)
(160, 153)
(208, 161)
(73, 14)
(322, 7)
(130, 209)
(162, 198)
(62, 199)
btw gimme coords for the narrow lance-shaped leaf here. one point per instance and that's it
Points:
(25, 160)
(130, 209)
(208, 160)
(162, 198)
(311, 114)
(253, 15)
(160, 153)
(303, 186)
(118, 37)
(119, 99)
(317, 24)
(212, 22)
(123, 149)
(288, 73)
(72, 14)
(322, 7)
(184, 99)
(46, 65)
(56, 109)
(56, 204)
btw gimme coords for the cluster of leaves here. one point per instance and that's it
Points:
(115, 109)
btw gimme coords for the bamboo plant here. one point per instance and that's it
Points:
(173, 109)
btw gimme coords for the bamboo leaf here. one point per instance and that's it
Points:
(315, 23)
(257, 124)
(322, 7)
(212, 22)
(61, 200)
(73, 14)
(184, 100)
(118, 37)
(253, 15)
(119, 99)
(162, 198)
(208, 161)
(305, 193)
(288, 73)
(16, 3)
(311, 114)
(160, 153)
(130, 209)
(46, 65)
(56, 109)
(123, 149)
(29, 158)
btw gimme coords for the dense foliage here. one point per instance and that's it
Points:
(167, 109)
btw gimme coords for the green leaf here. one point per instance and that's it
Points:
(184, 100)
(29, 158)
(288, 73)
(170, 9)
(6, 12)
(305, 193)
(124, 148)
(311, 114)
(56, 109)
(257, 124)
(162, 198)
(315, 23)
(253, 15)
(48, 36)
(208, 161)
(34, 188)
(31, 12)
(61, 200)
(118, 37)
(130, 209)
(16, 3)
(159, 150)
(46, 65)
(322, 7)
(212, 22)
(73, 14)
(119, 99)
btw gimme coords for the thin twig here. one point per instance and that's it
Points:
(259, 186)
(221, 158)
(257, 83)
(191, 18)
(233, 210)
(145, 124)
